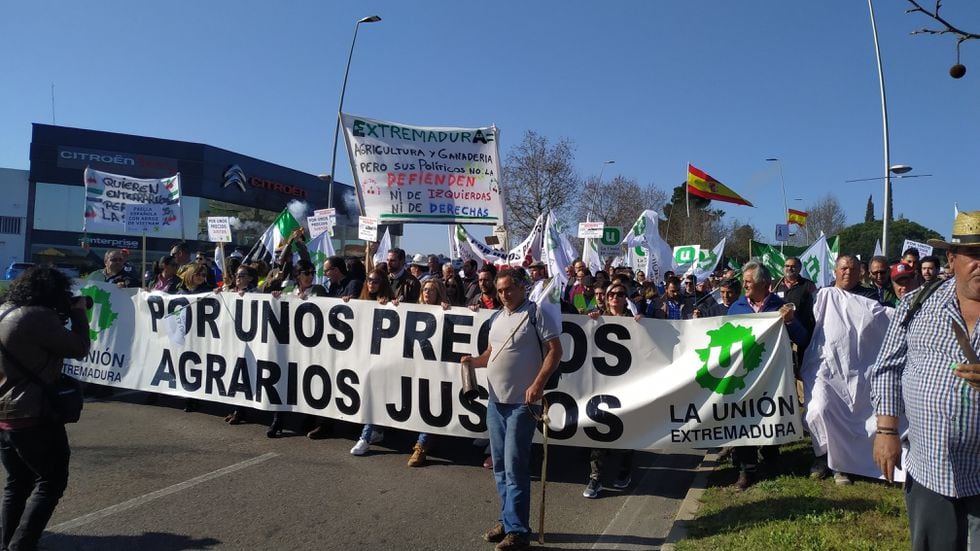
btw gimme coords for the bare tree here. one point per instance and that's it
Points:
(618, 202)
(739, 236)
(957, 70)
(538, 176)
(826, 215)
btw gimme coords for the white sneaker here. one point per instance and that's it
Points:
(592, 489)
(361, 447)
(841, 479)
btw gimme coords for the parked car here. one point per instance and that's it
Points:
(16, 268)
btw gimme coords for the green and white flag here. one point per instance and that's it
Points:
(645, 234)
(818, 263)
(265, 248)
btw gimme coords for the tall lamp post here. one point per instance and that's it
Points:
(587, 248)
(343, 90)
(884, 128)
(782, 185)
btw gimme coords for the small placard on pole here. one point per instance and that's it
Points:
(367, 228)
(219, 229)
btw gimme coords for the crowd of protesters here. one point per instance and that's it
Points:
(615, 291)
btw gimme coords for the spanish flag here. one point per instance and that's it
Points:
(797, 217)
(701, 184)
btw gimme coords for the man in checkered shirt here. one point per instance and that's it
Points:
(924, 372)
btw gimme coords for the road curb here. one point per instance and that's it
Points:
(692, 502)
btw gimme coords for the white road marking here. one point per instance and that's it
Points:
(146, 498)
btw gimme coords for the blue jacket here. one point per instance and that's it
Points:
(797, 332)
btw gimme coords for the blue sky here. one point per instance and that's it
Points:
(653, 85)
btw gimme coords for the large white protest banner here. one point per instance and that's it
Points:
(407, 173)
(621, 383)
(106, 197)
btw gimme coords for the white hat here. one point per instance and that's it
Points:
(420, 260)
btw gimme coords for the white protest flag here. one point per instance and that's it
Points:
(566, 245)
(471, 248)
(839, 414)
(272, 237)
(219, 264)
(552, 253)
(818, 266)
(591, 256)
(707, 261)
(878, 248)
(645, 233)
(320, 249)
(381, 255)
(453, 245)
(176, 324)
(547, 295)
(529, 249)
(106, 197)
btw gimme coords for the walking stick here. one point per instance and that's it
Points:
(544, 468)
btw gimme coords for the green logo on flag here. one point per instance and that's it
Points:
(725, 337)
(812, 266)
(106, 317)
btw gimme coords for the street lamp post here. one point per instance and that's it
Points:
(782, 185)
(343, 90)
(884, 128)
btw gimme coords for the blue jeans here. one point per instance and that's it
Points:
(368, 430)
(511, 428)
(36, 461)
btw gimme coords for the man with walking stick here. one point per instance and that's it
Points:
(524, 351)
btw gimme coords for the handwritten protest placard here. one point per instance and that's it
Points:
(106, 197)
(425, 174)
(318, 224)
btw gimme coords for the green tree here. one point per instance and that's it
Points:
(703, 226)
(869, 213)
(860, 238)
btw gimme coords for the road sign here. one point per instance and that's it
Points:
(782, 233)
(612, 236)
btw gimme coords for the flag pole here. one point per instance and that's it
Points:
(224, 264)
(143, 263)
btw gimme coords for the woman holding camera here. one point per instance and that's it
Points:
(33, 443)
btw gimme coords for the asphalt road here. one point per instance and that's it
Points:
(151, 477)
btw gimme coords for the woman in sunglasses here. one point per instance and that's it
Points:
(303, 287)
(376, 288)
(617, 304)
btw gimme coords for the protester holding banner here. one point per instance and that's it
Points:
(616, 305)
(377, 288)
(34, 446)
(672, 305)
(847, 276)
(434, 294)
(928, 369)
(338, 284)
(165, 275)
(523, 352)
(487, 298)
(403, 284)
(455, 289)
(245, 282)
(756, 283)
(114, 271)
(471, 286)
(194, 281)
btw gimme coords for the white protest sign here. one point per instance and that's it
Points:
(590, 230)
(106, 197)
(924, 250)
(318, 224)
(143, 218)
(219, 229)
(406, 173)
(372, 367)
(367, 228)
